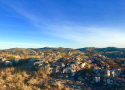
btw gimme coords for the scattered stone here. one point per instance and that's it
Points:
(15, 61)
(7, 63)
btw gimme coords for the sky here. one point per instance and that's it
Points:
(62, 23)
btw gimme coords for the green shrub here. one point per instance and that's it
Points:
(10, 57)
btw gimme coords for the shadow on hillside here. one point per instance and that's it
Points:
(84, 85)
(20, 63)
(20, 67)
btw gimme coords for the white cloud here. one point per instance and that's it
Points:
(89, 36)
(23, 44)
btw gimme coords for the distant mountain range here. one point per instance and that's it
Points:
(60, 49)
(108, 49)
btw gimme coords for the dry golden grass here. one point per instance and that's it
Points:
(18, 78)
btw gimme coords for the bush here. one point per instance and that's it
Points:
(11, 58)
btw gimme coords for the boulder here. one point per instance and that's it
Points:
(7, 63)
(2, 59)
(40, 65)
(15, 61)
(31, 62)
(37, 63)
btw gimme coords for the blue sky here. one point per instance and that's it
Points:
(62, 23)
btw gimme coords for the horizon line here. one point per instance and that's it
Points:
(59, 47)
